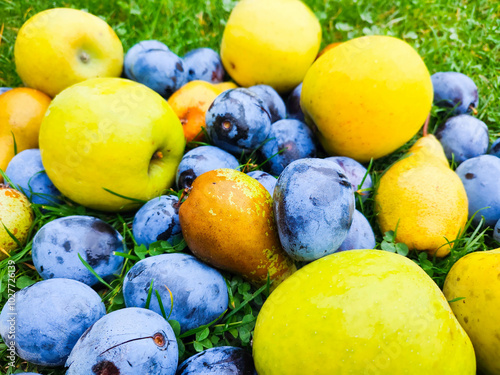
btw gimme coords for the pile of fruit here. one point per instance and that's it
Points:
(208, 213)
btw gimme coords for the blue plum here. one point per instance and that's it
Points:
(154, 65)
(455, 90)
(292, 139)
(199, 292)
(274, 104)
(360, 235)
(480, 178)
(49, 317)
(4, 89)
(293, 104)
(355, 172)
(313, 205)
(238, 121)
(204, 64)
(200, 160)
(57, 244)
(496, 231)
(129, 341)
(495, 148)
(267, 180)
(27, 172)
(463, 137)
(157, 220)
(222, 360)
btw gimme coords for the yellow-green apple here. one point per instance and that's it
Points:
(109, 143)
(59, 47)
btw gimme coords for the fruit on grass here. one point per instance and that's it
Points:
(268, 181)
(58, 243)
(275, 106)
(463, 137)
(293, 104)
(288, 140)
(157, 220)
(204, 64)
(355, 172)
(26, 171)
(129, 341)
(196, 293)
(360, 235)
(367, 97)
(21, 113)
(81, 45)
(495, 148)
(200, 160)
(473, 283)
(190, 103)
(151, 63)
(480, 178)
(455, 91)
(238, 121)
(270, 42)
(337, 316)
(101, 151)
(228, 222)
(313, 205)
(222, 360)
(16, 218)
(224, 86)
(51, 316)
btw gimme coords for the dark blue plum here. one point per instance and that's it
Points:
(480, 178)
(272, 100)
(360, 235)
(267, 180)
(199, 292)
(293, 104)
(154, 65)
(204, 64)
(157, 220)
(57, 244)
(463, 137)
(292, 139)
(200, 160)
(455, 91)
(495, 148)
(129, 341)
(238, 121)
(496, 231)
(223, 360)
(26, 171)
(49, 317)
(355, 172)
(4, 89)
(313, 205)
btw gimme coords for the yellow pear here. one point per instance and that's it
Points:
(423, 198)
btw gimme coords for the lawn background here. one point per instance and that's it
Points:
(461, 36)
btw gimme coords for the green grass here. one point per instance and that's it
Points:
(449, 35)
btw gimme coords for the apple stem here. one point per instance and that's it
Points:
(426, 125)
(157, 155)
(185, 192)
(84, 57)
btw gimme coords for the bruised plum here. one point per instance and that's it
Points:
(223, 360)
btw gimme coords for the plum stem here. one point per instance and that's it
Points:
(473, 109)
(426, 125)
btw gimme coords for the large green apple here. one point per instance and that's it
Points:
(109, 138)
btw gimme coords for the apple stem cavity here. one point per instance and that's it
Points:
(157, 155)
(84, 57)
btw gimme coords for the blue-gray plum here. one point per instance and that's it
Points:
(200, 160)
(45, 320)
(313, 205)
(496, 231)
(4, 89)
(272, 100)
(455, 90)
(293, 104)
(355, 172)
(289, 140)
(157, 220)
(130, 341)
(222, 360)
(463, 137)
(360, 235)
(480, 178)
(57, 244)
(267, 180)
(495, 148)
(199, 292)
(238, 121)
(26, 171)
(155, 66)
(204, 64)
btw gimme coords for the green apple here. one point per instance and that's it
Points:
(59, 47)
(109, 143)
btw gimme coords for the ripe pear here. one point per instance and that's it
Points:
(423, 198)
(228, 222)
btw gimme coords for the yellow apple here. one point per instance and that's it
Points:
(105, 139)
(59, 47)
